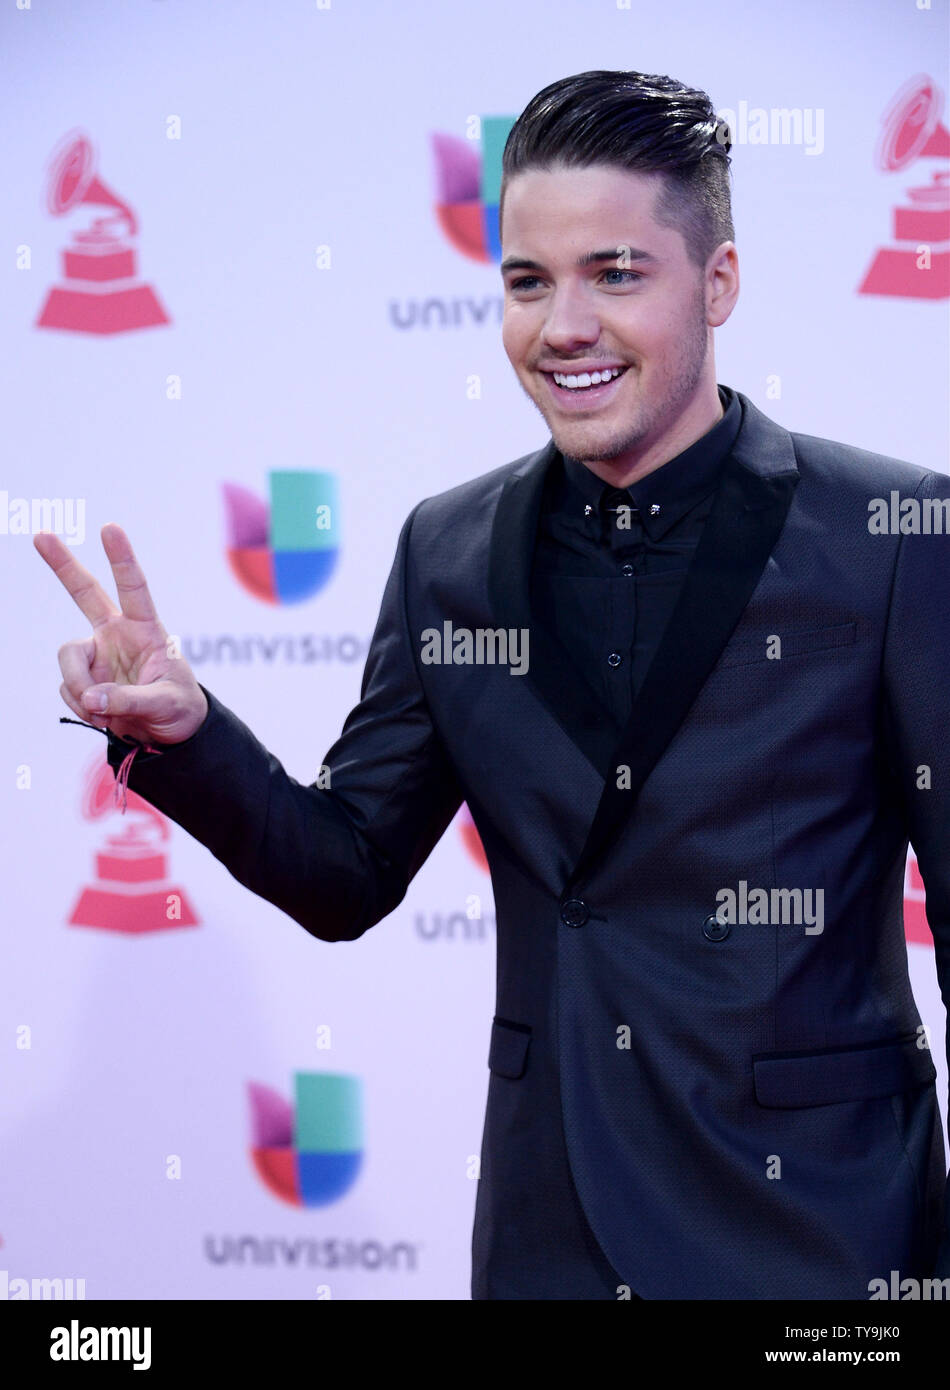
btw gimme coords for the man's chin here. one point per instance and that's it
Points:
(590, 446)
(590, 440)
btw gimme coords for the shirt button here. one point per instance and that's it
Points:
(626, 569)
(714, 929)
(574, 912)
(614, 659)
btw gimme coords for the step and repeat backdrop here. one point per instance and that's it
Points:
(247, 269)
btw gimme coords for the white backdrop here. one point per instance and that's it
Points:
(279, 162)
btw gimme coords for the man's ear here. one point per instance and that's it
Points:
(722, 283)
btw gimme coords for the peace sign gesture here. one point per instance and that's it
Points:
(149, 694)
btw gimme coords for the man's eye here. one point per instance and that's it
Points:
(527, 282)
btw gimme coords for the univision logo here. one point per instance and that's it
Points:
(468, 186)
(308, 1154)
(286, 551)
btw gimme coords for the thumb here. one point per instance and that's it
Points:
(110, 698)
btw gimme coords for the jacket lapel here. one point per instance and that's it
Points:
(755, 492)
(552, 671)
(751, 504)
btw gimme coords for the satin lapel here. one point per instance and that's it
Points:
(552, 672)
(743, 527)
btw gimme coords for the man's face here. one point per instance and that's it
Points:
(641, 306)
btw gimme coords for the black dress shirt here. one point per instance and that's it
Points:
(604, 582)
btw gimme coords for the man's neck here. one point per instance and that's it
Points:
(691, 425)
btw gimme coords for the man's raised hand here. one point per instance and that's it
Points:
(151, 693)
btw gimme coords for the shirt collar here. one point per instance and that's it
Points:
(675, 487)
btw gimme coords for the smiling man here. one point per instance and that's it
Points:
(733, 680)
(614, 342)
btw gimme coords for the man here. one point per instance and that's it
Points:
(709, 1078)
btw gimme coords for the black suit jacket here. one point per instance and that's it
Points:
(747, 1112)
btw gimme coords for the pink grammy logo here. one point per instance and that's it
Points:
(101, 292)
(917, 266)
(916, 926)
(471, 838)
(131, 892)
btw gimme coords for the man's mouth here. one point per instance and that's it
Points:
(586, 389)
(585, 380)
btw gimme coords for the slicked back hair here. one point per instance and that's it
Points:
(641, 123)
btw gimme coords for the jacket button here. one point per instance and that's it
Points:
(714, 930)
(574, 912)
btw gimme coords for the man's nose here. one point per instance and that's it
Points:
(570, 319)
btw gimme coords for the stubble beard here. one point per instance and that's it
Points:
(654, 415)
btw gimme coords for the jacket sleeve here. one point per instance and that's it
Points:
(917, 706)
(336, 858)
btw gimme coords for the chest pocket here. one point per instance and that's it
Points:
(747, 650)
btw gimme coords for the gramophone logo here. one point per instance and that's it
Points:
(310, 1154)
(917, 264)
(916, 926)
(100, 292)
(284, 552)
(471, 838)
(131, 892)
(468, 187)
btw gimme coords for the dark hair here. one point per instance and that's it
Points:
(640, 122)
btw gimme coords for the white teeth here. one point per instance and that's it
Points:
(574, 383)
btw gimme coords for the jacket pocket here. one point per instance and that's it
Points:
(789, 1080)
(748, 649)
(508, 1053)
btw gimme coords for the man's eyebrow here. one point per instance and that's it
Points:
(614, 253)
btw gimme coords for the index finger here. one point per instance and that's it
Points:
(85, 589)
(134, 597)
